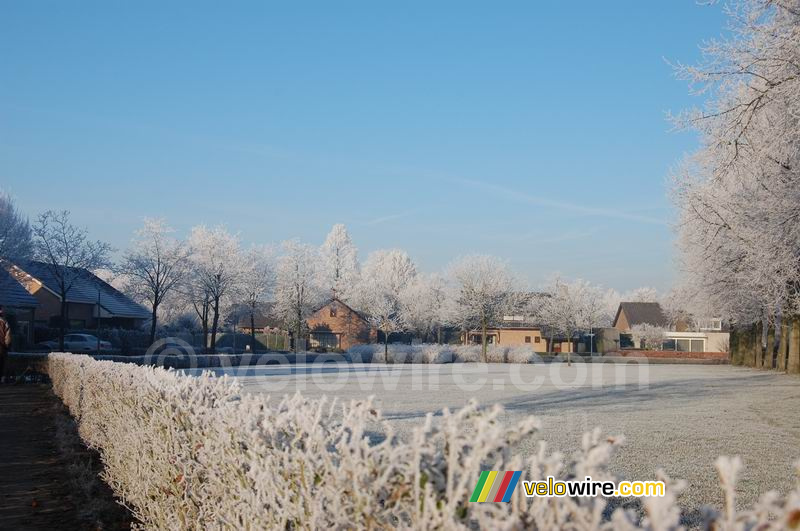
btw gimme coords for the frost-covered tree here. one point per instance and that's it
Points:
(217, 264)
(257, 283)
(643, 294)
(385, 275)
(16, 241)
(423, 305)
(737, 196)
(653, 336)
(154, 266)
(67, 251)
(338, 266)
(297, 290)
(570, 307)
(483, 289)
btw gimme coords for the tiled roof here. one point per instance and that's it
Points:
(13, 294)
(643, 313)
(85, 290)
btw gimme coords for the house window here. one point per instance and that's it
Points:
(527, 339)
(537, 339)
(333, 311)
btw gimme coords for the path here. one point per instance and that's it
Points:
(37, 483)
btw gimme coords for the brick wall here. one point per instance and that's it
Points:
(351, 328)
(669, 354)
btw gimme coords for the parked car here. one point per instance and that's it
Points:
(77, 343)
(170, 347)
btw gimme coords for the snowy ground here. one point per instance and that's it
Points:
(675, 417)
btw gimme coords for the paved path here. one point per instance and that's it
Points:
(35, 488)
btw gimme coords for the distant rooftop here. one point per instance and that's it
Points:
(643, 313)
(87, 289)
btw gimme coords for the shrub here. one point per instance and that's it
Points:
(194, 452)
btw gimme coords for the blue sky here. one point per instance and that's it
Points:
(534, 131)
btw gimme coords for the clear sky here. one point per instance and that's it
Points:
(534, 131)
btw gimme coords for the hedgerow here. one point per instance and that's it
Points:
(188, 452)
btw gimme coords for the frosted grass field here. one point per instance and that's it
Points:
(675, 417)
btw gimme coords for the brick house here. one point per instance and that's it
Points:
(19, 307)
(338, 326)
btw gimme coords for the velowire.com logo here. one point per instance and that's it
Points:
(496, 486)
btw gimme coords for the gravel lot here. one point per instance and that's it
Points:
(675, 417)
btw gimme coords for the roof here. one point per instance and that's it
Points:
(642, 313)
(339, 301)
(87, 289)
(13, 294)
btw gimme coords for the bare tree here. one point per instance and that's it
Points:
(217, 268)
(16, 240)
(297, 289)
(258, 280)
(154, 265)
(570, 307)
(653, 336)
(422, 305)
(483, 290)
(67, 251)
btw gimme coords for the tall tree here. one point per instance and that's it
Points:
(422, 305)
(569, 307)
(386, 274)
(737, 196)
(297, 289)
(67, 251)
(258, 280)
(218, 265)
(154, 265)
(16, 241)
(339, 263)
(484, 289)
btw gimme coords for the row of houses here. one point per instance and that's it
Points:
(706, 335)
(30, 291)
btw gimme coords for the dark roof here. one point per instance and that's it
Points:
(85, 290)
(642, 313)
(13, 294)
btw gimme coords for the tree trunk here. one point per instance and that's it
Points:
(754, 353)
(793, 364)
(253, 330)
(62, 322)
(298, 329)
(484, 356)
(439, 335)
(783, 344)
(152, 323)
(569, 348)
(769, 351)
(214, 325)
(386, 346)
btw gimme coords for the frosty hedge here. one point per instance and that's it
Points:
(194, 452)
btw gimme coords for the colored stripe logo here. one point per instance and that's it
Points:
(495, 486)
